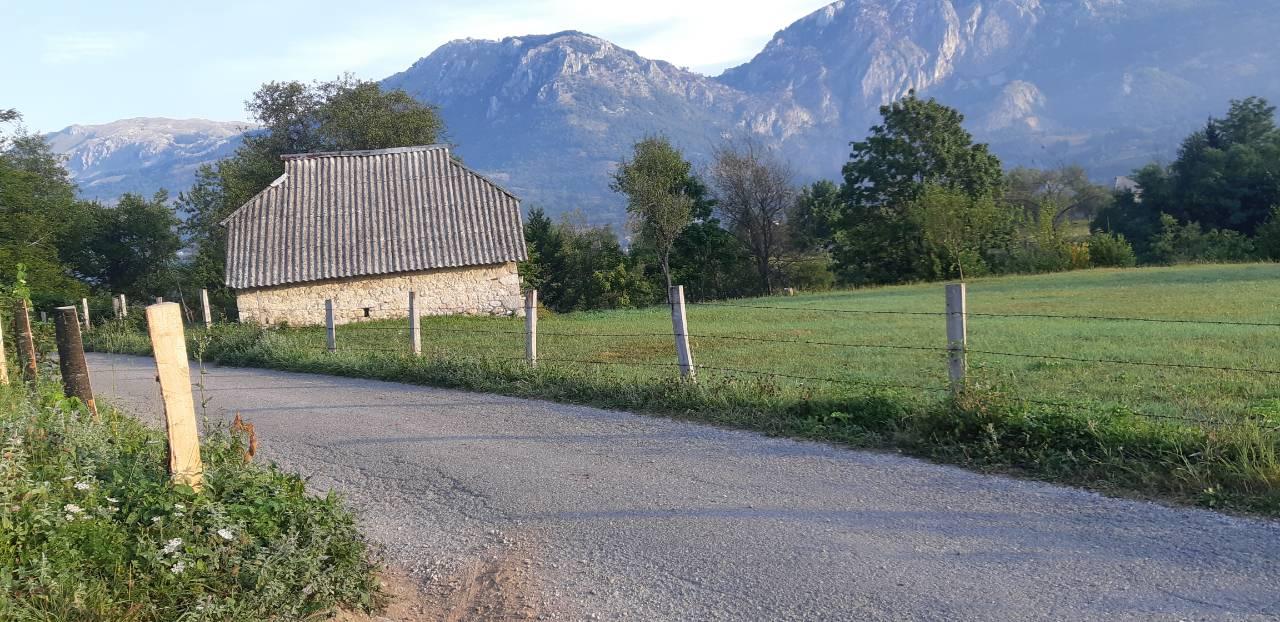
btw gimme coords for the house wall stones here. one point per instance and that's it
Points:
(472, 290)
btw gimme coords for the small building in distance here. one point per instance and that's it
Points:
(364, 228)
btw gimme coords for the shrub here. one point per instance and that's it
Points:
(1181, 243)
(94, 529)
(1110, 250)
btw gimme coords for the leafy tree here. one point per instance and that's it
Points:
(811, 221)
(754, 190)
(1067, 189)
(655, 180)
(919, 143)
(132, 247)
(959, 230)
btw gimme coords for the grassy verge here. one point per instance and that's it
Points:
(92, 529)
(1228, 465)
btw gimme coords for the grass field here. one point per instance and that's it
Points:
(723, 338)
(1205, 435)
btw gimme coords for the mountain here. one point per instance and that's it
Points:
(1108, 84)
(142, 155)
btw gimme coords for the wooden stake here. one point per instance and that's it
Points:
(160, 301)
(957, 336)
(124, 306)
(26, 343)
(331, 332)
(4, 359)
(115, 306)
(415, 325)
(164, 322)
(208, 313)
(679, 326)
(44, 317)
(531, 327)
(75, 371)
(84, 303)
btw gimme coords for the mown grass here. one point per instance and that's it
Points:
(1136, 428)
(92, 529)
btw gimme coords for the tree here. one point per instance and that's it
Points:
(133, 246)
(959, 230)
(919, 142)
(754, 189)
(812, 219)
(1067, 189)
(655, 180)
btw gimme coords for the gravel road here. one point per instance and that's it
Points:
(592, 514)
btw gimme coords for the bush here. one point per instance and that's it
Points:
(1110, 250)
(94, 529)
(1267, 242)
(1182, 243)
(809, 274)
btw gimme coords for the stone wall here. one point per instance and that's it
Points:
(475, 290)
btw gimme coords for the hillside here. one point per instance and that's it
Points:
(143, 154)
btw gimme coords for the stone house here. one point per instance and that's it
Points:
(364, 228)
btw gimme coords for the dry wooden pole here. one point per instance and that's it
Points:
(124, 306)
(531, 327)
(164, 322)
(115, 306)
(160, 301)
(957, 335)
(4, 359)
(331, 331)
(208, 313)
(415, 325)
(84, 304)
(75, 371)
(679, 326)
(26, 343)
(44, 317)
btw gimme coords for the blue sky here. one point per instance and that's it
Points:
(93, 62)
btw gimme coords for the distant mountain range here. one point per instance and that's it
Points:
(1109, 84)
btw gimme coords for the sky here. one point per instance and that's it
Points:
(63, 63)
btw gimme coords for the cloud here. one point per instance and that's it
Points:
(69, 48)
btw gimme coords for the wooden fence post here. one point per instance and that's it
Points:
(4, 359)
(531, 327)
(84, 303)
(44, 317)
(115, 306)
(124, 306)
(957, 336)
(415, 325)
(75, 371)
(679, 326)
(208, 313)
(160, 301)
(164, 322)
(26, 343)
(331, 332)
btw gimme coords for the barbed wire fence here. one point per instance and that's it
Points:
(341, 323)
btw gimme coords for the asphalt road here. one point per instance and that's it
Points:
(614, 516)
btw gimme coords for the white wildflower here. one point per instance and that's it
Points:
(155, 519)
(225, 533)
(178, 567)
(112, 500)
(179, 507)
(83, 486)
(171, 546)
(72, 508)
(70, 517)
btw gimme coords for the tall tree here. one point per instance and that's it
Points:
(655, 182)
(754, 189)
(919, 142)
(133, 246)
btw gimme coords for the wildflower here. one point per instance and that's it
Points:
(155, 519)
(111, 500)
(72, 508)
(225, 533)
(178, 567)
(83, 486)
(171, 546)
(179, 507)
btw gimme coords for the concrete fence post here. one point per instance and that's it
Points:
(957, 336)
(415, 325)
(84, 304)
(124, 306)
(208, 313)
(160, 301)
(331, 332)
(679, 327)
(44, 317)
(26, 343)
(75, 371)
(531, 327)
(164, 322)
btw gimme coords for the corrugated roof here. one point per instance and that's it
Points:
(357, 213)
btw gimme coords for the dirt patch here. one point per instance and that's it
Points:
(498, 586)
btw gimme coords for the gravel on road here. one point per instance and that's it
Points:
(580, 513)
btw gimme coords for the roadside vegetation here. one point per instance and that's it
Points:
(92, 529)
(1195, 435)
